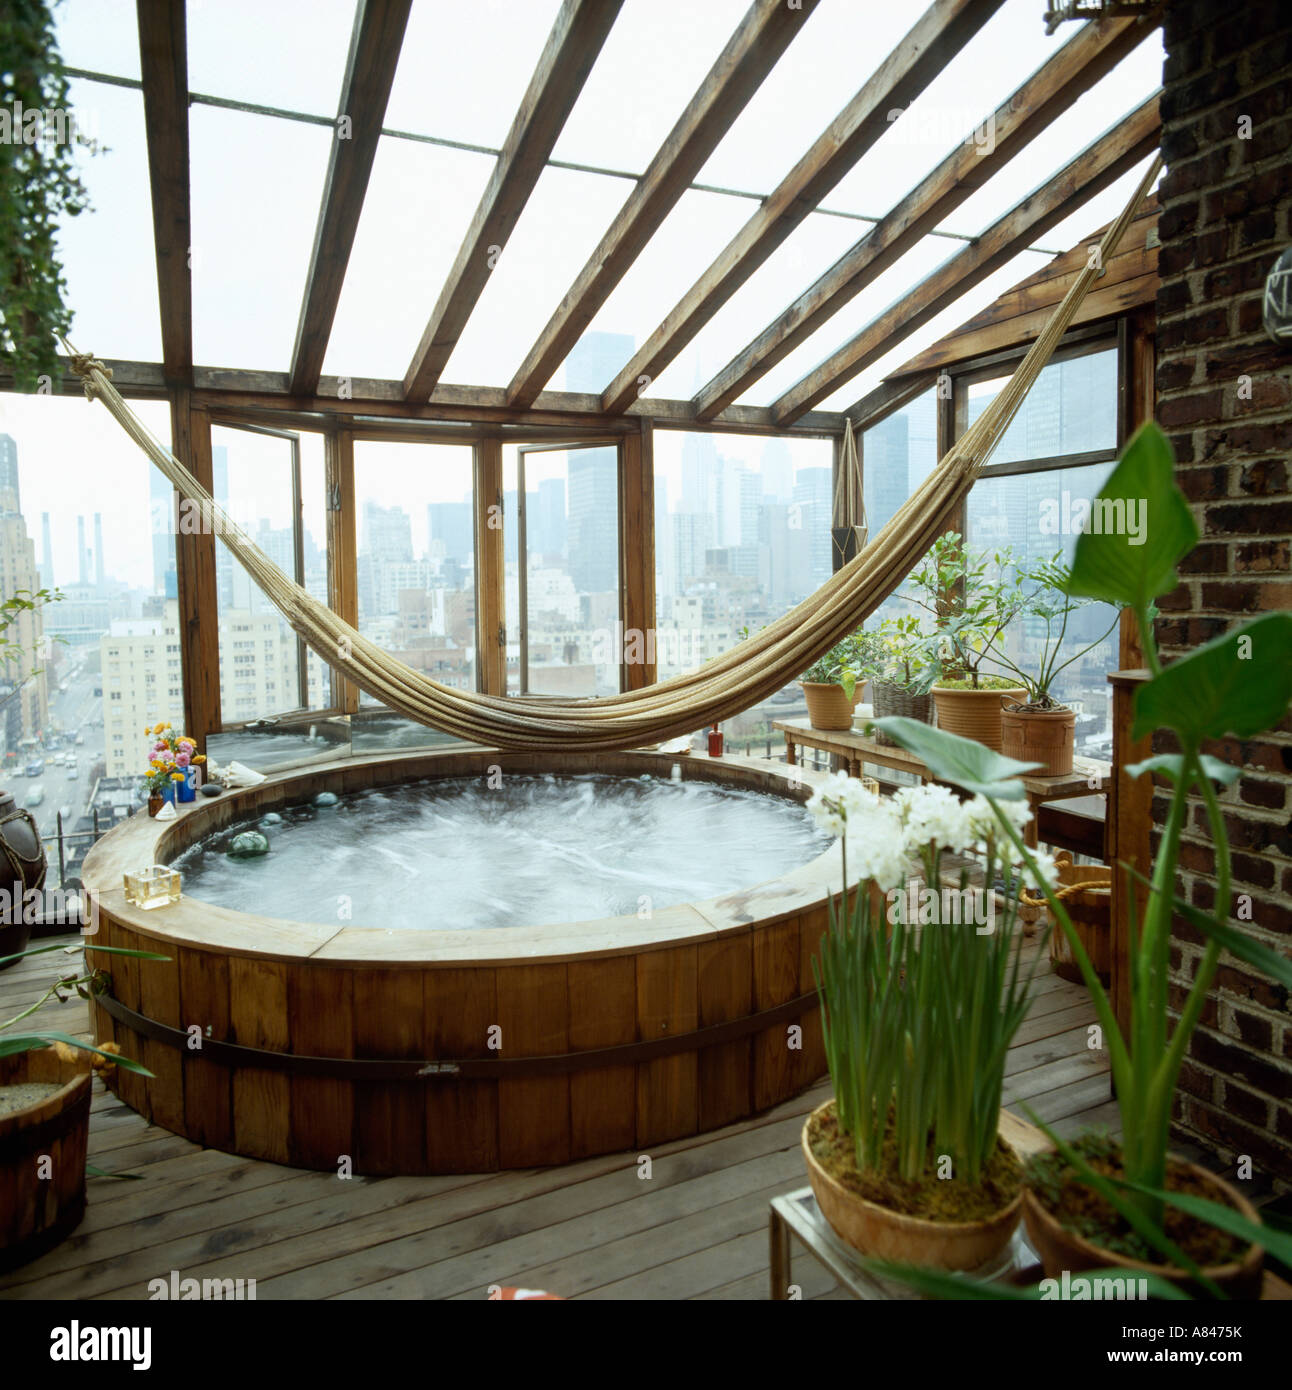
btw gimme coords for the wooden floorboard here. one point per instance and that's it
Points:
(695, 1228)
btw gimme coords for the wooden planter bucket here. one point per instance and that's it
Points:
(1085, 890)
(42, 1156)
(1039, 736)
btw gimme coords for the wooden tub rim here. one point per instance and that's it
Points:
(194, 924)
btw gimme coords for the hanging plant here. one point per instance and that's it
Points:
(39, 186)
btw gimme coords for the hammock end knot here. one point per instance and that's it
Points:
(84, 364)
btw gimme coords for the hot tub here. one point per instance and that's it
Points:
(352, 1044)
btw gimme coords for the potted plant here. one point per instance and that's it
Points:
(903, 672)
(830, 684)
(1038, 728)
(971, 606)
(1130, 1206)
(172, 772)
(919, 1001)
(22, 852)
(45, 1110)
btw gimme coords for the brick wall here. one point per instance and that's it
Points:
(1225, 398)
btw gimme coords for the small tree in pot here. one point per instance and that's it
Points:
(830, 683)
(904, 671)
(971, 607)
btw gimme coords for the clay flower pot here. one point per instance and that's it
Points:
(1044, 736)
(1060, 1248)
(974, 714)
(890, 1235)
(828, 706)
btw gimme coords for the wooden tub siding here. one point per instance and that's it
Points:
(305, 989)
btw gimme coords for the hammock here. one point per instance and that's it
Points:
(722, 687)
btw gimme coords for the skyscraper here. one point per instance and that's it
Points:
(593, 520)
(47, 553)
(98, 552)
(161, 496)
(450, 524)
(10, 493)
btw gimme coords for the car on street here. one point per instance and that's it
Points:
(34, 797)
(35, 768)
(73, 773)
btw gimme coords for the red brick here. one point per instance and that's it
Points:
(1262, 557)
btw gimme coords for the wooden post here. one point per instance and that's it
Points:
(491, 591)
(1138, 348)
(1130, 817)
(199, 633)
(637, 557)
(342, 564)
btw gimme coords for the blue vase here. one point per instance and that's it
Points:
(168, 791)
(187, 789)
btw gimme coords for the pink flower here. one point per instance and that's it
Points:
(182, 757)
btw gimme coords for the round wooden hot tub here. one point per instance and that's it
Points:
(317, 1045)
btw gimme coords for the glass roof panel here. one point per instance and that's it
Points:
(813, 246)
(98, 35)
(420, 202)
(257, 182)
(684, 246)
(824, 67)
(650, 67)
(463, 69)
(290, 54)
(108, 250)
(1019, 268)
(559, 229)
(954, 105)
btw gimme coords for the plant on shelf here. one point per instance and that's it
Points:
(970, 605)
(1039, 728)
(830, 683)
(920, 999)
(903, 671)
(173, 763)
(1129, 1204)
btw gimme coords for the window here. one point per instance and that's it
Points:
(561, 543)
(742, 534)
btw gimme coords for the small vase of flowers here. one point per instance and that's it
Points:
(173, 772)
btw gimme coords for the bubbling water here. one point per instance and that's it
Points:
(456, 853)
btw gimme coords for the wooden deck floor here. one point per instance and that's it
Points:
(697, 1228)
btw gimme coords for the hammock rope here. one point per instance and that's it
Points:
(735, 681)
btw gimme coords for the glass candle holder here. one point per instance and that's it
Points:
(154, 886)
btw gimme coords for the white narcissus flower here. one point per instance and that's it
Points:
(1046, 874)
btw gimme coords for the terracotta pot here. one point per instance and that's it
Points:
(889, 1235)
(896, 700)
(22, 869)
(974, 714)
(828, 706)
(1042, 736)
(1060, 1248)
(41, 1208)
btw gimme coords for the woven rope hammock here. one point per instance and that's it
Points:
(735, 681)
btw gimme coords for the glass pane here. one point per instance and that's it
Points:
(290, 54)
(416, 558)
(1039, 515)
(257, 183)
(1071, 409)
(259, 652)
(105, 656)
(107, 250)
(897, 455)
(742, 534)
(464, 69)
(98, 35)
(571, 569)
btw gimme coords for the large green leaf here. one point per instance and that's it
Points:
(1171, 765)
(1240, 684)
(1144, 526)
(961, 761)
(1278, 1243)
(1237, 943)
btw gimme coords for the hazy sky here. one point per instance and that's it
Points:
(257, 181)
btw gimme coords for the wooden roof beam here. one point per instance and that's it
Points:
(1096, 49)
(1098, 165)
(937, 36)
(375, 44)
(752, 52)
(163, 65)
(572, 47)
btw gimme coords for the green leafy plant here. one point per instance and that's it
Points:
(908, 656)
(971, 605)
(15, 654)
(848, 661)
(1044, 585)
(1237, 685)
(39, 186)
